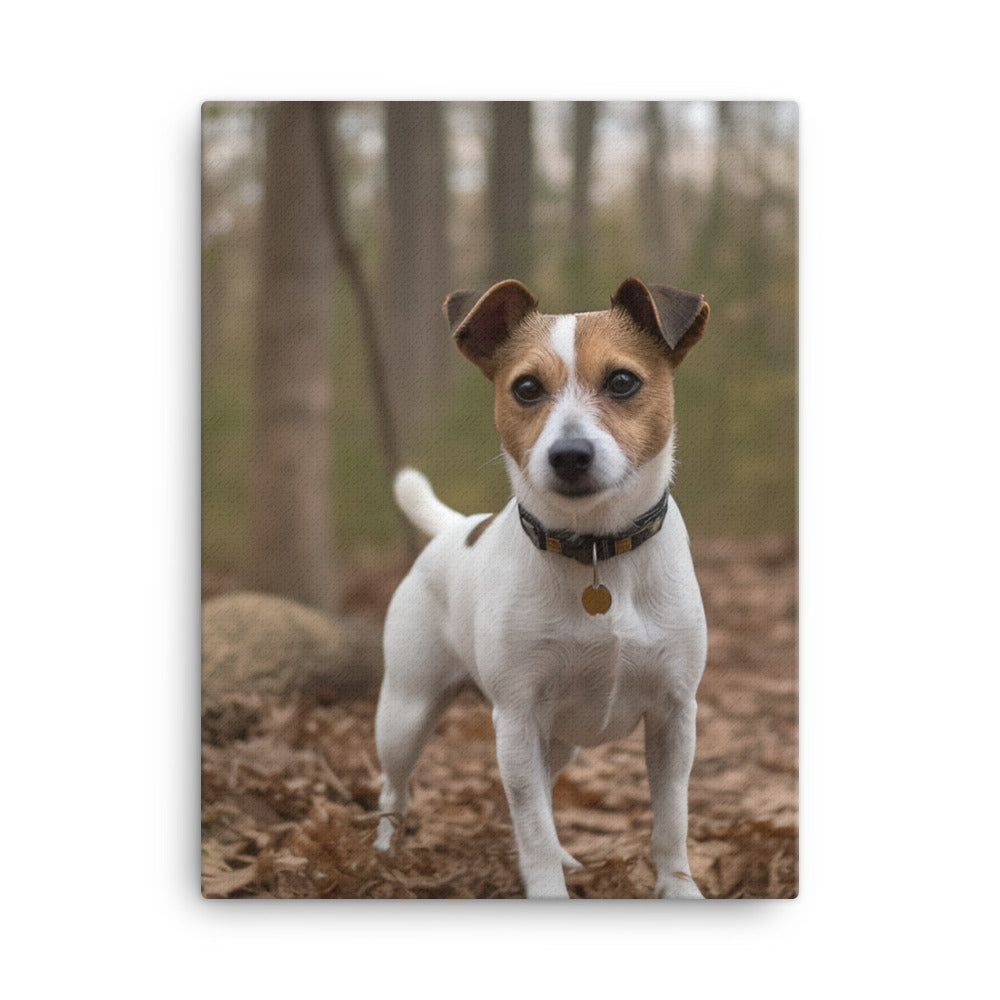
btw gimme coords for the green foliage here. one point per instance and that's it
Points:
(225, 467)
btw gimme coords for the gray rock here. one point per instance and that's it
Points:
(260, 644)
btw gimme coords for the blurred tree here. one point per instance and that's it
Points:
(654, 195)
(212, 275)
(579, 280)
(510, 182)
(388, 418)
(291, 547)
(416, 348)
(710, 237)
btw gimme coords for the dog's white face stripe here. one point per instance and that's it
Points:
(562, 340)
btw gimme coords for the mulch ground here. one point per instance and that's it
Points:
(290, 787)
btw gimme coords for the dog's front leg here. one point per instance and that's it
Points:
(670, 741)
(522, 753)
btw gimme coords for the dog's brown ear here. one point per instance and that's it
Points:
(480, 324)
(458, 305)
(678, 317)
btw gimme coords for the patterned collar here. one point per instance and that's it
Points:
(581, 547)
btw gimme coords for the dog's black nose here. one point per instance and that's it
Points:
(570, 458)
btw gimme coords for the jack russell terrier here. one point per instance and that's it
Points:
(575, 609)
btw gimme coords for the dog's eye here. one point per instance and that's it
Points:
(621, 384)
(527, 389)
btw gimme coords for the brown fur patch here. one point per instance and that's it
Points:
(473, 536)
(526, 352)
(642, 423)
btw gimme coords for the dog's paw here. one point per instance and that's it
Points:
(569, 863)
(383, 837)
(677, 885)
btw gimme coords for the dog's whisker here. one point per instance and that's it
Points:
(491, 461)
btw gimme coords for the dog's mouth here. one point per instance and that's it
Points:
(590, 487)
(577, 488)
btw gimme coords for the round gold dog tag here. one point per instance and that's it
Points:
(597, 600)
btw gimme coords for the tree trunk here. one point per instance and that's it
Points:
(291, 533)
(658, 244)
(510, 191)
(416, 344)
(580, 257)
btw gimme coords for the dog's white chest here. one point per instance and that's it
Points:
(591, 682)
(526, 637)
(594, 693)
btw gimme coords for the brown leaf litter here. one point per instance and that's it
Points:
(290, 783)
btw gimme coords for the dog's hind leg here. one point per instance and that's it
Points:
(421, 679)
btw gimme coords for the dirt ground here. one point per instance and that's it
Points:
(290, 787)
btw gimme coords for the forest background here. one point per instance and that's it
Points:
(326, 363)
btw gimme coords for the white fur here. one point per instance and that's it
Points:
(510, 616)
(562, 339)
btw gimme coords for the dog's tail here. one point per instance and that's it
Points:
(417, 501)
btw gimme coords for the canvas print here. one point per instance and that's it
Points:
(499, 541)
